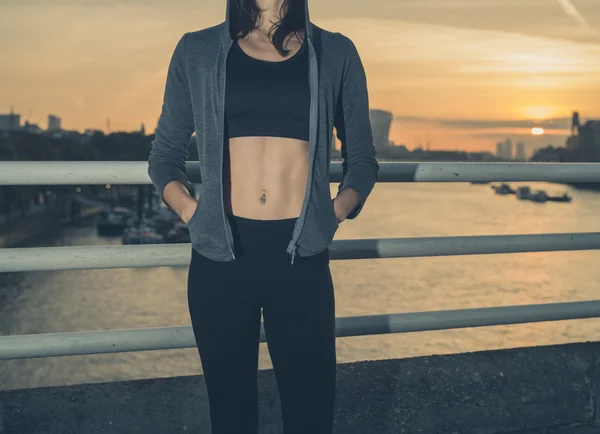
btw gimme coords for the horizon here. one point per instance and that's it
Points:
(462, 74)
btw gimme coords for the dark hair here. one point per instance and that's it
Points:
(245, 17)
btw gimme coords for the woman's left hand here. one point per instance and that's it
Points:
(344, 203)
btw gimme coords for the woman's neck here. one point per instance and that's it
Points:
(271, 13)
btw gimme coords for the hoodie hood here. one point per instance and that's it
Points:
(228, 13)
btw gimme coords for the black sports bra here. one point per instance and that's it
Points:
(264, 98)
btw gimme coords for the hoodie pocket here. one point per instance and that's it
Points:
(333, 216)
(206, 224)
(194, 215)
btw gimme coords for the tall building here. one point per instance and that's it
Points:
(508, 148)
(381, 122)
(500, 149)
(585, 138)
(10, 122)
(520, 153)
(54, 123)
(575, 124)
(589, 136)
(504, 150)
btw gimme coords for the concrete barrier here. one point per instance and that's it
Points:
(550, 390)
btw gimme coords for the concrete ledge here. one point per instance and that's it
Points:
(550, 390)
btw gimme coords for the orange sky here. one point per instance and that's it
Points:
(461, 73)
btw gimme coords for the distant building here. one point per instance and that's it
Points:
(72, 134)
(575, 124)
(500, 149)
(504, 150)
(10, 122)
(572, 143)
(381, 122)
(31, 128)
(585, 139)
(89, 134)
(478, 156)
(520, 153)
(486, 156)
(92, 132)
(54, 123)
(589, 136)
(399, 148)
(508, 148)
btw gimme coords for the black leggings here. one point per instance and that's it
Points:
(297, 302)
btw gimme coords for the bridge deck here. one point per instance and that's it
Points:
(550, 390)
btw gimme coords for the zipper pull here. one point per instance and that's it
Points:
(293, 254)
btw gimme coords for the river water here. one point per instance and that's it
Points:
(63, 301)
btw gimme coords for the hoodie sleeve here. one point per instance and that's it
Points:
(353, 126)
(175, 126)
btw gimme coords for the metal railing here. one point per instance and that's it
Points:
(77, 258)
(136, 172)
(173, 255)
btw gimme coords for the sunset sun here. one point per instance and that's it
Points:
(537, 131)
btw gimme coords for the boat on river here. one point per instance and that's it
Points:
(114, 222)
(523, 193)
(503, 189)
(141, 234)
(538, 196)
(560, 198)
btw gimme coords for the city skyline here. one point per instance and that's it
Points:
(463, 73)
(381, 122)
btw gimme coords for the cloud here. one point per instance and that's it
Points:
(470, 52)
(572, 12)
(446, 4)
(555, 123)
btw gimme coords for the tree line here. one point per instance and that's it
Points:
(22, 146)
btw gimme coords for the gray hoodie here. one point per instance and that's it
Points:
(194, 100)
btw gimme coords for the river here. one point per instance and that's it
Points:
(63, 301)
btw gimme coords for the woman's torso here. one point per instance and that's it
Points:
(267, 104)
(194, 101)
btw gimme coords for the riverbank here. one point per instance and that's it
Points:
(587, 186)
(535, 390)
(22, 231)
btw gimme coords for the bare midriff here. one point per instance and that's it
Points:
(267, 177)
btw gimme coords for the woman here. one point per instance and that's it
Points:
(263, 92)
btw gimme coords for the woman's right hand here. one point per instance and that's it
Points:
(179, 199)
(188, 210)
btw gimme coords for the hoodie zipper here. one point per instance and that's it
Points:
(228, 234)
(314, 100)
